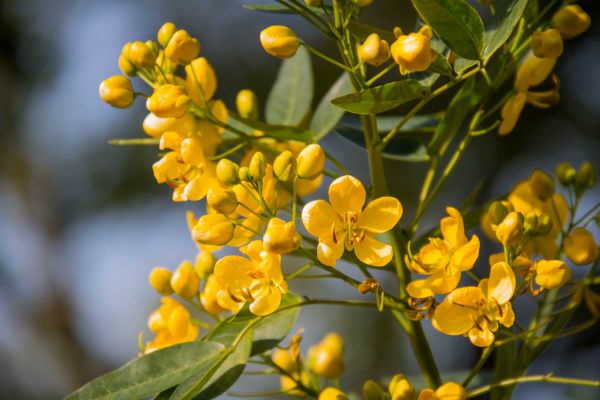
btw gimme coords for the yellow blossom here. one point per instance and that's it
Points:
(168, 101)
(200, 80)
(204, 263)
(332, 393)
(160, 280)
(476, 312)
(571, 21)
(548, 43)
(443, 259)
(448, 391)
(279, 41)
(222, 200)
(412, 52)
(182, 48)
(374, 50)
(326, 358)
(155, 126)
(185, 282)
(343, 224)
(580, 247)
(172, 324)
(117, 91)
(246, 103)
(510, 230)
(208, 297)
(310, 162)
(140, 55)
(281, 237)
(401, 389)
(256, 279)
(284, 166)
(551, 274)
(213, 229)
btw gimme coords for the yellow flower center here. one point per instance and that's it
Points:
(353, 234)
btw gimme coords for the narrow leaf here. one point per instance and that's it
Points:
(279, 8)
(381, 98)
(327, 115)
(279, 132)
(456, 23)
(290, 98)
(152, 373)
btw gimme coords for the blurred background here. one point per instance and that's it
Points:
(82, 223)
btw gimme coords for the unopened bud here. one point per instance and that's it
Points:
(222, 200)
(213, 229)
(544, 224)
(168, 101)
(244, 174)
(374, 50)
(160, 280)
(580, 247)
(228, 171)
(185, 281)
(372, 390)
(165, 33)
(565, 174)
(531, 222)
(586, 176)
(258, 166)
(571, 21)
(279, 41)
(310, 162)
(284, 166)
(547, 44)
(141, 55)
(204, 263)
(126, 66)
(510, 230)
(281, 237)
(117, 91)
(247, 104)
(497, 212)
(541, 184)
(400, 388)
(182, 48)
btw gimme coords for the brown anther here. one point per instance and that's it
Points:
(368, 285)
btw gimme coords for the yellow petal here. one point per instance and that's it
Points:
(328, 252)
(552, 274)
(346, 193)
(373, 252)
(419, 289)
(381, 215)
(452, 319)
(442, 282)
(464, 258)
(451, 391)
(452, 228)
(511, 110)
(318, 218)
(508, 315)
(533, 71)
(502, 282)
(481, 337)
(225, 301)
(267, 303)
(233, 271)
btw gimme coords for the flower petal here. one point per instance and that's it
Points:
(502, 283)
(373, 252)
(464, 258)
(441, 282)
(267, 303)
(481, 337)
(381, 215)
(233, 271)
(452, 319)
(419, 289)
(346, 193)
(318, 217)
(328, 252)
(452, 228)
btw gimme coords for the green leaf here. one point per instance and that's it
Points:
(279, 8)
(440, 65)
(271, 330)
(501, 25)
(381, 98)
(463, 103)
(419, 154)
(456, 23)
(362, 31)
(152, 373)
(279, 132)
(291, 96)
(327, 115)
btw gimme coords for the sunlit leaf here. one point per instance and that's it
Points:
(381, 98)
(327, 115)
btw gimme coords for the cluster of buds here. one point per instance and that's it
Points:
(580, 180)
(512, 228)
(400, 388)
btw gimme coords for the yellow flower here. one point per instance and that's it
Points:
(185, 282)
(168, 101)
(160, 280)
(342, 223)
(580, 247)
(140, 55)
(155, 126)
(182, 48)
(448, 391)
(548, 43)
(213, 229)
(326, 358)
(246, 103)
(222, 200)
(172, 324)
(281, 237)
(200, 80)
(279, 41)
(286, 361)
(571, 21)
(204, 263)
(284, 166)
(374, 50)
(510, 230)
(256, 279)
(443, 259)
(476, 312)
(208, 297)
(412, 52)
(332, 393)
(551, 274)
(401, 389)
(117, 91)
(310, 162)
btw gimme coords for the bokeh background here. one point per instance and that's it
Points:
(82, 223)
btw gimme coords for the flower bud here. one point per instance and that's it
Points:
(332, 393)
(547, 44)
(221, 200)
(279, 41)
(310, 162)
(160, 280)
(168, 101)
(227, 172)
(565, 174)
(372, 390)
(214, 229)
(374, 50)
(586, 176)
(541, 184)
(244, 174)
(326, 358)
(552, 274)
(531, 222)
(165, 33)
(497, 212)
(140, 55)
(185, 281)
(510, 230)
(412, 52)
(247, 104)
(580, 247)
(284, 166)
(182, 48)
(204, 263)
(571, 21)
(401, 389)
(258, 166)
(281, 237)
(451, 391)
(200, 80)
(544, 224)
(126, 66)
(208, 297)
(117, 91)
